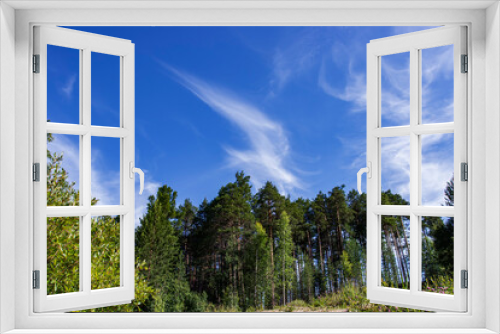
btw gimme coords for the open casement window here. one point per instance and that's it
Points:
(401, 126)
(76, 265)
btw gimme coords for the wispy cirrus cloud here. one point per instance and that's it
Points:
(268, 156)
(354, 89)
(436, 168)
(68, 87)
(295, 58)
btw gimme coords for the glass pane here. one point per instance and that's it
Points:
(105, 89)
(63, 255)
(395, 170)
(437, 254)
(105, 171)
(63, 84)
(105, 252)
(395, 89)
(63, 170)
(437, 169)
(437, 84)
(395, 245)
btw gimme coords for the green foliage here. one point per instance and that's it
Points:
(63, 237)
(63, 255)
(105, 252)
(440, 284)
(284, 270)
(244, 253)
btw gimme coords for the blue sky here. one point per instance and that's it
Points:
(285, 104)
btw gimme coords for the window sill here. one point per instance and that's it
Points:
(250, 331)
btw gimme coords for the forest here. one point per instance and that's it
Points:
(247, 250)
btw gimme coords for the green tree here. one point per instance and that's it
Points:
(268, 207)
(284, 272)
(257, 257)
(63, 237)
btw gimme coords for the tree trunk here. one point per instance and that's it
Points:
(320, 254)
(272, 265)
(404, 270)
(389, 245)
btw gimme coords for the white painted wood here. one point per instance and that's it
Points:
(471, 322)
(77, 129)
(413, 43)
(419, 129)
(86, 297)
(7, 167)
(492, 186)
(248, 4)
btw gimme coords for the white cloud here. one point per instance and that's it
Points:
(269, 153)
(141, 201)
(295, 58)
(353, 91)
(105, 182)
(68, 87)
(437, 166)
(395, 165)
(68, 146)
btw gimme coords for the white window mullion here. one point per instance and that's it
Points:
(414, 171)
(127, 102)
(86, 168)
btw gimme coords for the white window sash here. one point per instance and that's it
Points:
(414, 297)
(87, 43)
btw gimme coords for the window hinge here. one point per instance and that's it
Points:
(36, 172)
(465, 279)
(36, 63)
(464, 171)
(465, 64)
(36, 279)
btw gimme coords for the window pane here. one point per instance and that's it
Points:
(437, 84)
(63, 255)
(63, 170)
(395, 246)
(437, 169)
(105, 252)
(63, 84)
(437, 254)
(395, 170)
(105, 89)
(395, 89)
(105, 171)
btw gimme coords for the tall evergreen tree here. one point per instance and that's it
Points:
(268, 207)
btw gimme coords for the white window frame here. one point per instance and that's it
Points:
(413, 44)
(86, 44)
(484, 103)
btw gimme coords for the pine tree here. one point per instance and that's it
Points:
(268, 207)
(157, 245)
(284, 272)
(257, 256)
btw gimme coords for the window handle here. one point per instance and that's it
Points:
(368, 171)
(134, 170)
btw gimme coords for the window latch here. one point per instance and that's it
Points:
(368, 171)
(133, 170)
